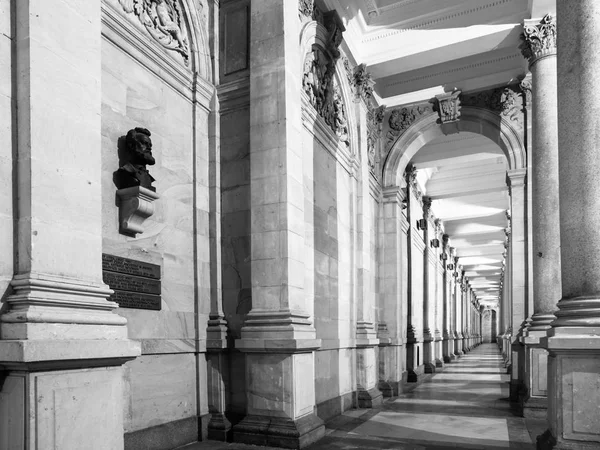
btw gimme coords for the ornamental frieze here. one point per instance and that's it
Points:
(163, 19)
(507, 102)
(538, 38)
(401, 119)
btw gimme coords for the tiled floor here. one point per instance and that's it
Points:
(464, 407)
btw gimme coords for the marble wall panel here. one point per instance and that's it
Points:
(133, 96)
(159, 389)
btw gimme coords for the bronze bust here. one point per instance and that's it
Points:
(135, 153)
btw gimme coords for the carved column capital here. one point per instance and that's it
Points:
(448, 106)
(539, 38)
(306, 8)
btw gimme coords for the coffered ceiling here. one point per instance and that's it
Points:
(415, 49)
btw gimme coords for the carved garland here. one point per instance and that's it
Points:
(402, 118)
(164, 21)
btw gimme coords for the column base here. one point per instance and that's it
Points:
(535, 407)
(63, 393)
(371, 398)
(219, 428)
(414, 375)
(573, 394)
(278, 431)
(430, 367)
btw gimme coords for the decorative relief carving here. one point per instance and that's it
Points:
(402, 118)
(362, 83)
(324, 92)
(526, 89)
(334, 25)
(539, 39)
(374, 120)
(507, 102)
(410, 174)
(448, 107)
(306, 8)
(164, 21)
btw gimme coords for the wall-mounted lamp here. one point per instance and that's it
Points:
(421, 224)
(435, 243)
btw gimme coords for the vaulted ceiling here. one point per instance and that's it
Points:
(416, 49)
(465, 175)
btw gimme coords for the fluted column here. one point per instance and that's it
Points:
(573, 341)
(539, 48)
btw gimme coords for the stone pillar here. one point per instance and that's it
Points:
(573, 342)
(518, 276)
(278, 336)
(61, 345)
(539, 48)
(466, 293)
(448, 345)
(366, 336)
(428, 298)
(458, 335)
(393, 285)
(414, 337)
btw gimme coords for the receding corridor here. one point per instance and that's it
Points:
(465, 406)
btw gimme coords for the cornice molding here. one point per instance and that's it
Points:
(436, 20)
(471, 66)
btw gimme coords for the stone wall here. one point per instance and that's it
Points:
(165, 386)
(6, 148)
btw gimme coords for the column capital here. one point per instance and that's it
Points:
(516, 177)
(538, 38)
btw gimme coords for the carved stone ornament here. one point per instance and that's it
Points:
(539, 38)
(306, 8)
(334, 25)
(135, 206)
(324, 92)
(448, 107)
(402, 118)
(527, 89)
(374, 120)
(507, 102)
(164, 21)
(135, 192)
(362, 83)
(411, 176)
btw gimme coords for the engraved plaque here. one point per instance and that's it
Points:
(136, 284)
(136, 300)
(126, 282)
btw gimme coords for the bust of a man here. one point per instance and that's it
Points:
(135, 153)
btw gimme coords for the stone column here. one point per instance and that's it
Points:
(366, 336)
(278, 336)
(448, 347)
(414, 338)
(458, 335)
(428, 298)
(61, 345)
(393, 285)
(466, 292)
(539, 48)
(518, 276)
(573, 341)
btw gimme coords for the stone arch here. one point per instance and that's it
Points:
(473, 119)
(197, 14)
